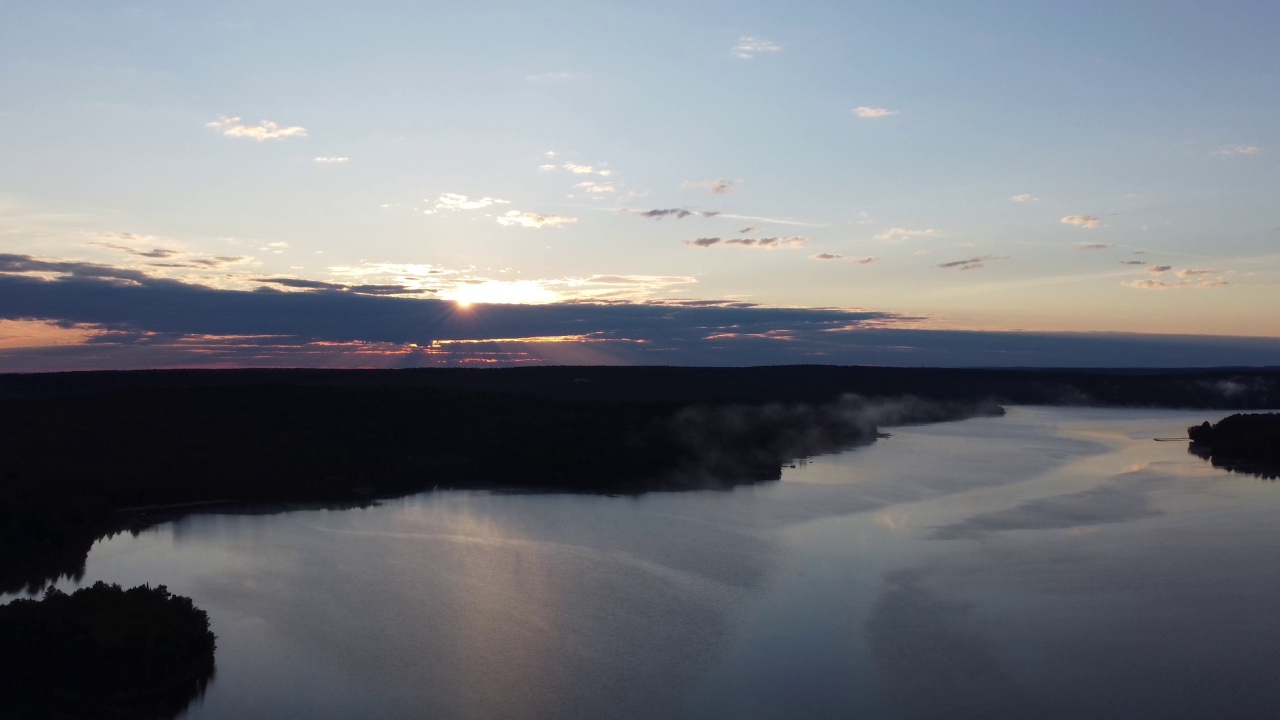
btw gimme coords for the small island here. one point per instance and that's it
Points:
(1241, 442)
(103, 652)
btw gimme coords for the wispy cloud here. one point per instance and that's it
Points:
(855, 260)
(719, 186)
(157, 253)
(864, 111)
(895, 235)
(577, 169)
(677, 213)
(206, 262)
(1090, 246)
(1133, 262)
(453, 202)
(1083, 221)
(1238, 150)
(767, 243)
(1025, 198)
(595, 188)
(515, 218)
(320, 285)
(333, 160)
(776, 221)
(145, 246)
(1192, 272)
(972, 263)
(266, 130)
(1157, 269)
(128, 242)
(749, 47)
(1167, 285)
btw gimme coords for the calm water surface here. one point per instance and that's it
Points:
(1051, 563)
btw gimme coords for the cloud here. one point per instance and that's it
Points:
(894, 235)
(340, 312)
(749, 47)
(267, 130)
(28, 265)
(972, 263)
(332, 160)
(1238, 150)
(1090, 246)
(1190, 272)
(548, 168)
(719, 186)
(303, 284)
(515, 218)
(207, 262)
(767, 243)
(1025, 197)
(864, 111)
(585, 170)
(454, 201)
(151, 322)
(775, 221)
(156, 253)
(639, 279)
(855, 260)
(1166, 285)
(1157, 269)
(157, 323)
(677, 213)
(1133, 262)
(1083, 221)
(595, 188)
(177, 258)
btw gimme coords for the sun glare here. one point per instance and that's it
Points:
(498, 292)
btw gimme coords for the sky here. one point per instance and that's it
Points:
(405, 184)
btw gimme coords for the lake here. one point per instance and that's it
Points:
(1052, 563)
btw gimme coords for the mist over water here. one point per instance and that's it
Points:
(1051, 563)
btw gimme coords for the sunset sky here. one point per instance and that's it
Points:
(398, 184)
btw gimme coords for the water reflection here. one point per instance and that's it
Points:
(1261, 470)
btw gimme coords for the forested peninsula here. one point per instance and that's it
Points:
(1242, 442)
(103, 652)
